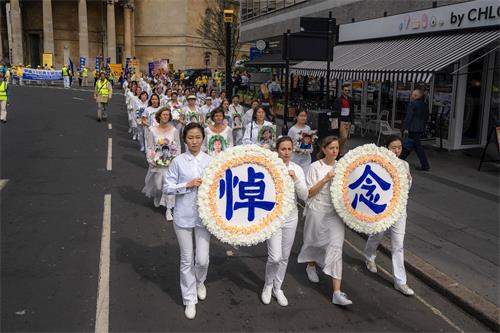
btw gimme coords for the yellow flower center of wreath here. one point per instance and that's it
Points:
(396, 188)
(221, 222)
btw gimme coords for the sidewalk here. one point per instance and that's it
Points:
(453, 217)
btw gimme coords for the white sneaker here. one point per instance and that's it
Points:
(312, 274)
(266, 294)
(190, 311)
(371, 266)
(201, 291)
(280, 297)
(142, 149)
(404, 289)
(168, 215)
(134, 137)
(341, 299)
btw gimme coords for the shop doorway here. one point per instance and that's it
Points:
(472, 122)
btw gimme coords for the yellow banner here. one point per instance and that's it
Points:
(117, 69)
(47, 60)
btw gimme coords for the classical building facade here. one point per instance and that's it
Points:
(70, 29)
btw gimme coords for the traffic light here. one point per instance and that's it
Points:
(228, 15)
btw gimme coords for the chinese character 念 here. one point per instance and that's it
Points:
(250, 192)
(370, 198)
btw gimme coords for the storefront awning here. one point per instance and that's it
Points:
(404, 59)
(268, 60)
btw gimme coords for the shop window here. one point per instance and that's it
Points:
(441, 103)
(402, 99)
(495, 93)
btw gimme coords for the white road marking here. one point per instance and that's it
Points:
(102, 309)
(3, 182)
(109, 163)
(110, 127)
(433, 309)
(78, 98)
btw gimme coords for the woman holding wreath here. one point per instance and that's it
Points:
(395, 145)
(323, 228)
(182, 180)
(280, 244)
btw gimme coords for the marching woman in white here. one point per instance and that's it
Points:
(140, 107)
(252, 129)
(133, 99)
(162, 138)
(323, 228)
(280, 244)
(394, 144)
(192, 112)
(148, 117)
(302, 158)
(183, 179)
(218, 128)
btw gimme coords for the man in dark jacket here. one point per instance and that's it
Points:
(344, 105)
(416, 116)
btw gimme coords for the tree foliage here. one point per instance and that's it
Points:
(212, 28)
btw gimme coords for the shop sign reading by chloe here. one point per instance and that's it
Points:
(471, 14)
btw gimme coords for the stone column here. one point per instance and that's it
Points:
(48, 27)
(1, 46)
(133, 33)
(83, 31)
(127, 23)
(111, 31)
(17, 32)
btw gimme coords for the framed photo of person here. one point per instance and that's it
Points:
(267, 136)
(216, 144)
(193, 117)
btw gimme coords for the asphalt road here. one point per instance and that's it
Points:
(54, 156)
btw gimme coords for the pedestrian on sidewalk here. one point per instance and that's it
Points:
(395, 145)
(280, 244)
(103, 93)
(343, 105)
(182, 180)
(323, 228)
(4, 92)
(414, 123)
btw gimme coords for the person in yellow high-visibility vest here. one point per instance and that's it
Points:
(65, 74)
(85, 76)
(4, 89)
(102, 95)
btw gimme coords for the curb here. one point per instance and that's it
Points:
(469, 301)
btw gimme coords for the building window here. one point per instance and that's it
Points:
(255, 8)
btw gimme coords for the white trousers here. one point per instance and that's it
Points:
(194, 262)
(279, 247)
(141, 137)
(397, 239)
(102, 110)
(66, 81)
(3, 110)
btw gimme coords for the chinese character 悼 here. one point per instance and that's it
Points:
(250, 192)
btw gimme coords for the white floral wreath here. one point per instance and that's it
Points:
(370, 224)
(262, 229)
